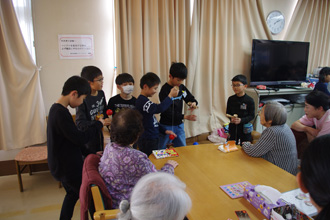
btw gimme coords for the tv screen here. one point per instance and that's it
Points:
(278, 63)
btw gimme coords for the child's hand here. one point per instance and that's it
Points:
(107, 121)
(173, 163)
(190, 117)
(101, 120)
(192, 105)
(99, 153)
(235, 120)
(169, 132)
(174, 92)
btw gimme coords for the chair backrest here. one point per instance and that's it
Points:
(100, 212)
(91, 177)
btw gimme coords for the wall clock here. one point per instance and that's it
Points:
(275, 22)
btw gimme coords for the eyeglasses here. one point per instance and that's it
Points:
(237, 85)
(99, 80)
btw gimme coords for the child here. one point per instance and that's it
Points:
(149, 140)
(240, 107)
(65, 141)
(171, 119)
(121, 166)
(324, 79)
(315, 122)
(314, 177)
(125, 83)
(93, 107)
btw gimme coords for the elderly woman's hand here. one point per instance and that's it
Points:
(173, 163)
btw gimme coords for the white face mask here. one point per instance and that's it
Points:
(128, 89)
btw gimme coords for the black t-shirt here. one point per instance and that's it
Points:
(244, 107)
(86, 116)
(173, 115)
(117, 103)
(65, 143)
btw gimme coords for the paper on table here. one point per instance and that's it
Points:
(301, 201)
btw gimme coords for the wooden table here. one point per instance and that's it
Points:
(204, 169)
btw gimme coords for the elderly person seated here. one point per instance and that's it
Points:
(121, 166)
(156, 196)
(277, 143)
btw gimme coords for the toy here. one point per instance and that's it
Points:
(171, 137)
(109, 112)
(195, 143)
(98, 116)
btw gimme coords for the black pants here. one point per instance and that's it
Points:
(148, 145)
(236, 133)
(72, 195)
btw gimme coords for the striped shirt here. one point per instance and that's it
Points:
(277, 144)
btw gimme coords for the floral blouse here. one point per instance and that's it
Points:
(121, 168)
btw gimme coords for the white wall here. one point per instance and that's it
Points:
(79, 17)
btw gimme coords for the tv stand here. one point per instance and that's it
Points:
(295, 106)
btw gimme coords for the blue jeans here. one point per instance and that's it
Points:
(179, 141)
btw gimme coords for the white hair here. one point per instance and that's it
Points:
(156, 196)
(276, 112)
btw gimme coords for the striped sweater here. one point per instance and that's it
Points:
(277, 144)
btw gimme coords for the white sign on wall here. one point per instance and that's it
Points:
(76, 46)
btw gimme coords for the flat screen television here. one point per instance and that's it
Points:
(278, 63)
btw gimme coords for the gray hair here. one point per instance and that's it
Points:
(156, 196)
(276, 112)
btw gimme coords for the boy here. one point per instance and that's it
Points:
(315, 122)
(125, 83)
(93, 107)
(65, 141)
(240, 109)
(171, 119)
(149, 139)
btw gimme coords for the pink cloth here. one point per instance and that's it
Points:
(323, 124)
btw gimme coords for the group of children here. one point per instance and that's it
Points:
(70, 142)
(133, 121)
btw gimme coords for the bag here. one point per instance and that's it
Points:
(218, 136)
(247, 128)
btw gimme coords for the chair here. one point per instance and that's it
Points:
(93, 187)
(301, 142)
(27, 157)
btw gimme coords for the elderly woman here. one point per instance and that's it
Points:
(277, 143)
(156, 196)
(121, 166)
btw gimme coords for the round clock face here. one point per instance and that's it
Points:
(275, 22)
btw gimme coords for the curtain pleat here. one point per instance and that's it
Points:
(150, 35)
(220, 48)
(311, 23)
(216, 47)
(22, 113)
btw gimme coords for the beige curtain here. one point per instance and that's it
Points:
(22, 113)
(220, 48)
(311, 22)
(150, 35)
